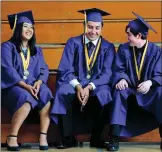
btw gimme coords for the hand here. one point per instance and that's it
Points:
(144, 87)
(31, 90)
(36, 86)
(86, 95)
(80, 93)
(122, 84)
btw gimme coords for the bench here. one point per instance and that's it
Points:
(63, 21)
(29, 132)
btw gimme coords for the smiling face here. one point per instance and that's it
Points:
(132, 39)
(94, 30)
(27, 31)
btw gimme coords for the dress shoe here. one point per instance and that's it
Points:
(12, 148)
(113, 144)
(67, 142)
(43, 147)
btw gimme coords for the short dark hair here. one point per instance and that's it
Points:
(87, 22)
(135, 32)
(17, 39)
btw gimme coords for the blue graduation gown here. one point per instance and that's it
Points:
(13, 96)
(152, 101)
(73, 66)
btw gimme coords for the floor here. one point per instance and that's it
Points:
(124, 147)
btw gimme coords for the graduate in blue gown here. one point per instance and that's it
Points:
(85, 74)
(24, 75)
(137, 85)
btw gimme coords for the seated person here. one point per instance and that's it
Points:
(137, 77)
(24, 75)
(84, 77)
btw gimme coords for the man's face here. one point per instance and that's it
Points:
(133, 40)
(93, 30)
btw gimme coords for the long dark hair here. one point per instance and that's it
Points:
(17, 39)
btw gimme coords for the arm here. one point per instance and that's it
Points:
(9, 75)
(66, 71)
(119, 69)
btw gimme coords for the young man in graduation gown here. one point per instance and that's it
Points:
(137, 85)
(84, 73)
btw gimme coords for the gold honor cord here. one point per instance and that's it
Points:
(15, 21)
(139, 70)
(25, 62)
(91, 60)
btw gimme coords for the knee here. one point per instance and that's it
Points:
(27, 106)
(24, 109)
(45, 110)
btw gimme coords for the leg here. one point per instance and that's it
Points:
(67, 122)
(44, 123)
(66, 128)
(16, 122)
(98, 126)
(118, 118)
(102, 96)
(62, 107)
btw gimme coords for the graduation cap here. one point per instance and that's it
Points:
(140, 25)
(19, 18)
(94, 14)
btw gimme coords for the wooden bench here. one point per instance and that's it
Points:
(30, 132)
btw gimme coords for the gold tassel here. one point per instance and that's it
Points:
(85, 16)
(14, 24)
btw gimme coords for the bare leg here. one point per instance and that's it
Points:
(16, 122)
(44, 123)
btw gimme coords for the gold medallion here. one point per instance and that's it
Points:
(24, 77)
(88, 76)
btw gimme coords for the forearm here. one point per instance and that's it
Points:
(22, 84)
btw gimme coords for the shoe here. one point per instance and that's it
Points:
(12, 148)
(67, 142)
(113, 144)
(98, 143)
(60, 145)
(42, 147)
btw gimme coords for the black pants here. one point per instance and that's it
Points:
(91, 120)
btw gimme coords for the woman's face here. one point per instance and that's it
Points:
(27, 31)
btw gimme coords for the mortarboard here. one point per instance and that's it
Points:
(94, 14)
(140, 25)
(20, 17)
